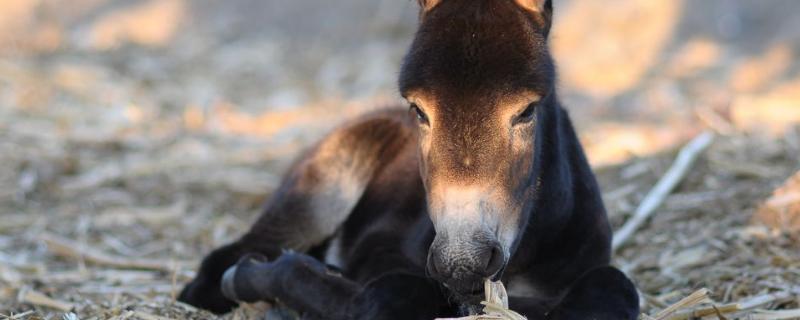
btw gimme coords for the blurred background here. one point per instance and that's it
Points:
(149, 131)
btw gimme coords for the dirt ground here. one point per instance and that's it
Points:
(136, 135)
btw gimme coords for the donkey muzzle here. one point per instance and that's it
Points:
(463, 264)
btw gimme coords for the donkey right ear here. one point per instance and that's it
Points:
(427, 5)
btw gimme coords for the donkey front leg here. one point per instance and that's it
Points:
(288, 222)
(305, 285)
(315, 198)
(603, 293)
(299, 281)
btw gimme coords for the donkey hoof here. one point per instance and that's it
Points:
(229, 284)
(243, 282)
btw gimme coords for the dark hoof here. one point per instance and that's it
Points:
(228, 284)
(242, 281)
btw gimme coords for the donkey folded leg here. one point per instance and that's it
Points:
(305, 285)
(314, 199)
(287, 223)
(604, 293)
(299, 281)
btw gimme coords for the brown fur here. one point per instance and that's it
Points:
(490, 181)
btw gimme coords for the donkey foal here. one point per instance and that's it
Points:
(405, 214)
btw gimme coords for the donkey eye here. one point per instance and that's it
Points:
(421, 117)
(526, 115)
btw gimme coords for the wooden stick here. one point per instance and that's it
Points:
(688, 302)
(39, 299)
(671, 312)
(72, 249)
(664, 187)
(707, 311)
(753, 302)
(776, 315)
(147, 316)
(18, 315)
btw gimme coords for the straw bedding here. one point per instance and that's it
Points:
(111, 227)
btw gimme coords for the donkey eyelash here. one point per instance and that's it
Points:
(421, 116)
(526, 115)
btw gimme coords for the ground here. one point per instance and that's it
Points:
(137, 135)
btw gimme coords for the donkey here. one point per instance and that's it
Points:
(404, 214)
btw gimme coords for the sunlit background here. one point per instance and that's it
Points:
(155, 128)
(642, 74)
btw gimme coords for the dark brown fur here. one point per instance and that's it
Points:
(468, 191)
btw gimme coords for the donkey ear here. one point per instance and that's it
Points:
(543, 9)
(427, 5)
(538, 6)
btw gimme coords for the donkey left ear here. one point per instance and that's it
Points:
(542, 8)
(538, 6)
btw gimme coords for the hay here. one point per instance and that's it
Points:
(39, 299)
(64, 247)
(704, 235)
(782, 210)
(122, 167)
(665, 185)
(106, 209)
(495, 305)
(122, 245)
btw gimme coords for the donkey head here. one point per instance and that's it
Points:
(477, 78)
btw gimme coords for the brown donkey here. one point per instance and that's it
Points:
(404, 215)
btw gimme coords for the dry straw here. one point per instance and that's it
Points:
(495, 305)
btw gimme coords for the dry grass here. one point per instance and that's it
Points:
(704, 235)
(88, 232)
(127, 153)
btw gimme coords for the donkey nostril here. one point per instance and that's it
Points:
(495, 261)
